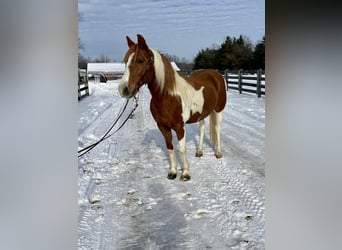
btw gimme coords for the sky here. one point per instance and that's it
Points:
(177, 27)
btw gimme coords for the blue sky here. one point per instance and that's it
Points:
(177, 27)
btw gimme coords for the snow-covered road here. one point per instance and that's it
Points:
(126, 201)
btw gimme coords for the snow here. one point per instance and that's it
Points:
(126, 201)
(106, 67)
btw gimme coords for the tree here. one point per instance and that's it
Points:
(80, 44)
(205, 59)
(259, 55)
(234, 53)
(184, 64)
(82, 61)
(102, 59)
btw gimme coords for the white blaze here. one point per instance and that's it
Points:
(125, 77)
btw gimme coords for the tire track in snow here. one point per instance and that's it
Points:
(231, 202)
(234, 195)
(95, 121)
(95, 183)
(221, 207)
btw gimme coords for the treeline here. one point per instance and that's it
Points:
(83, 61)
(184, 64)
(233, 53)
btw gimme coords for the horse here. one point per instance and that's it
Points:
(176, 99)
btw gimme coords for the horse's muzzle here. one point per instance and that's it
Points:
(126, 92)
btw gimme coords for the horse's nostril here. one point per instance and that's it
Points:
(125, 91)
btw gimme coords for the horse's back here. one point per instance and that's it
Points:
(210, 77)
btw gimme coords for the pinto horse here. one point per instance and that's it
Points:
(176, 99)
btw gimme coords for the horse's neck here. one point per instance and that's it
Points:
(154, 89)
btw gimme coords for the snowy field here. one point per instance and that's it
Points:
(126, 201)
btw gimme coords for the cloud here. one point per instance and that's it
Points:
(169, 24)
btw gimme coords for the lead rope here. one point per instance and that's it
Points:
(107, 135)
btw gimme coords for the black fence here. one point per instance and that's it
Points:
(83, 89)
(251, 81)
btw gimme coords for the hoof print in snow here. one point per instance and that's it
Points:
(248, 217)
(185, 177)
(131, 191)
(201, 213)
(171, 176)
(94, 199)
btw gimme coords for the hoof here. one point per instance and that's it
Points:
(199, 154)
(218, 155)
(185, 177)
(171, 176)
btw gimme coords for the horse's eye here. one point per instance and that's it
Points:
(140, 60)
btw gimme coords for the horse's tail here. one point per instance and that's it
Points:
(213, 124)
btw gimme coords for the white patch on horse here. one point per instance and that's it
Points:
(192, 99)
(159, 69)
(182, 151)
(173, 162)
(125, 77)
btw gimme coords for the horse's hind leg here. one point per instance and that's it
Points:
(199, 151)
(215, 131)
(218, 134)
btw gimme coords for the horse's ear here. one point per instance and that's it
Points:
(141, 42)
(130, 43)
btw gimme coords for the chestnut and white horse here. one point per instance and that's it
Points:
(176, 99)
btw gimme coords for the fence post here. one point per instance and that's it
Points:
(226, 77)
(86, 83)
(240, 81)
(258, 90)
(78, 85)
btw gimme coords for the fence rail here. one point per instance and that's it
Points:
(246, 81)
(83, 88)
(240, 80)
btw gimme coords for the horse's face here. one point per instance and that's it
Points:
(139, 64)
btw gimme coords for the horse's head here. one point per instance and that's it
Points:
(139, 67)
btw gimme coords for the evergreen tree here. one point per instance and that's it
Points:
(234, 53)
(82, 62)
(223, 59)
(205, 59)
(259, 55)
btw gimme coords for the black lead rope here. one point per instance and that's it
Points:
(107, 135)
(95, 143)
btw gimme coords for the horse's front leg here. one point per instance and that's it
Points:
(172, 174)
(182, 151)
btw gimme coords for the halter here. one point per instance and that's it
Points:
(150, 61)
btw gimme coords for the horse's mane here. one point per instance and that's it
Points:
(169, 80)
(164, 72)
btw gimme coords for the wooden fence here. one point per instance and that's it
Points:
(246, 81)
(240, 80)
(83, 89)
